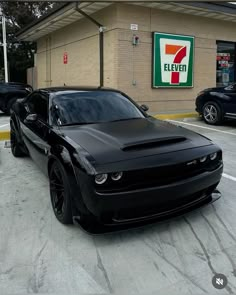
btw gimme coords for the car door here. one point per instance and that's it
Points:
(230, 106)
(36, 132)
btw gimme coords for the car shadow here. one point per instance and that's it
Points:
(229, 123)
(3, 115)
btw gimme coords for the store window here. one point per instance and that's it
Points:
(225, 63)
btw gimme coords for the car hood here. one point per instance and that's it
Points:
(215, 89)
(129, 139)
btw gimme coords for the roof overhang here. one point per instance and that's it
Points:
(217, 10)
(67, 14)
(58, 19)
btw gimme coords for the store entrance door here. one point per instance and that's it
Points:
(225, 63)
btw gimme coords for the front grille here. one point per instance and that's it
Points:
(158, 176)
(165, 208)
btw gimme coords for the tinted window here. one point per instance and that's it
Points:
(94, 107)
(37, 104)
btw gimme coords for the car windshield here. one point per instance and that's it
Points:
(88, 107)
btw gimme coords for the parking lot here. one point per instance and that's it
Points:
(179, 256)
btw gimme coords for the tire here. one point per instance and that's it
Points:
(60, 193)
(9, 105)
(212, 113)
(16, 148)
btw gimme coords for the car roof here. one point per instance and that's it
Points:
(14, 84)
(75, 88)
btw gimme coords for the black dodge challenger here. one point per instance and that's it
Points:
(109, 163)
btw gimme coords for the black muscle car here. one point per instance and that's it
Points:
(9, 92)
(217, 104)
(109, 163)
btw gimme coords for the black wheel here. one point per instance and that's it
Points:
(212, 113)
(60, 193)
(16, 148)
(9, 105)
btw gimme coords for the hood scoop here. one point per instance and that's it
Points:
(154, 143)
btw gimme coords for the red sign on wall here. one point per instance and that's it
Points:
(65, 58)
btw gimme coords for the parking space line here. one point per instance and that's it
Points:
(229, 177)
(4, 125)
(204, 127)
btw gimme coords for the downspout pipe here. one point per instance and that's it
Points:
(101, 41)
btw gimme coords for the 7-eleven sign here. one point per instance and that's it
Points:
(172, 60)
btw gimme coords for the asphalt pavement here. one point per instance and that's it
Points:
(178, 256)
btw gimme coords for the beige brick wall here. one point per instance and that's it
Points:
(135, 63)
(125, 64)
(81, 42)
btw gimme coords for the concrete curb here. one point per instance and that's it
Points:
(4, 135)
(176, 116)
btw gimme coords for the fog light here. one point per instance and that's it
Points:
(116, 176)
(101, 178)
(213, 156)
(203, 159)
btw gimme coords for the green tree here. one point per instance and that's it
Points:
(21, 54)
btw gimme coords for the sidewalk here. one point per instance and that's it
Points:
(174, 115)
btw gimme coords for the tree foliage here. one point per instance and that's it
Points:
(20, 54)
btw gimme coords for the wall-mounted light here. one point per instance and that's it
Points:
(135, 40)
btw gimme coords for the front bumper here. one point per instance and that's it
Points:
(129, 207)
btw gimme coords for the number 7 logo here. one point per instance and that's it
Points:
(179, 52)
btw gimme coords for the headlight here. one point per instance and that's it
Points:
(116, 176)
(213, 156)
(203, 159)
(101, 178)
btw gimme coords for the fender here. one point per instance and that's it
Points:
(220, 100)
(16, 124)
(217, 97)
(61, 154)
(221, 96)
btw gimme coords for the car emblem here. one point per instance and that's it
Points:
(194, 162)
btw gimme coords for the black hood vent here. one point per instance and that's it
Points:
(154, 143)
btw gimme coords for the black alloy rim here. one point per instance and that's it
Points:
(57, 191)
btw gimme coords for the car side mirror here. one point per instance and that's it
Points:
(31, 118)
(144, 107)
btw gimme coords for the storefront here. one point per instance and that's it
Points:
(161, 54)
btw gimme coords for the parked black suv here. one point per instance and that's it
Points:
(10, 92)
(216, 104)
